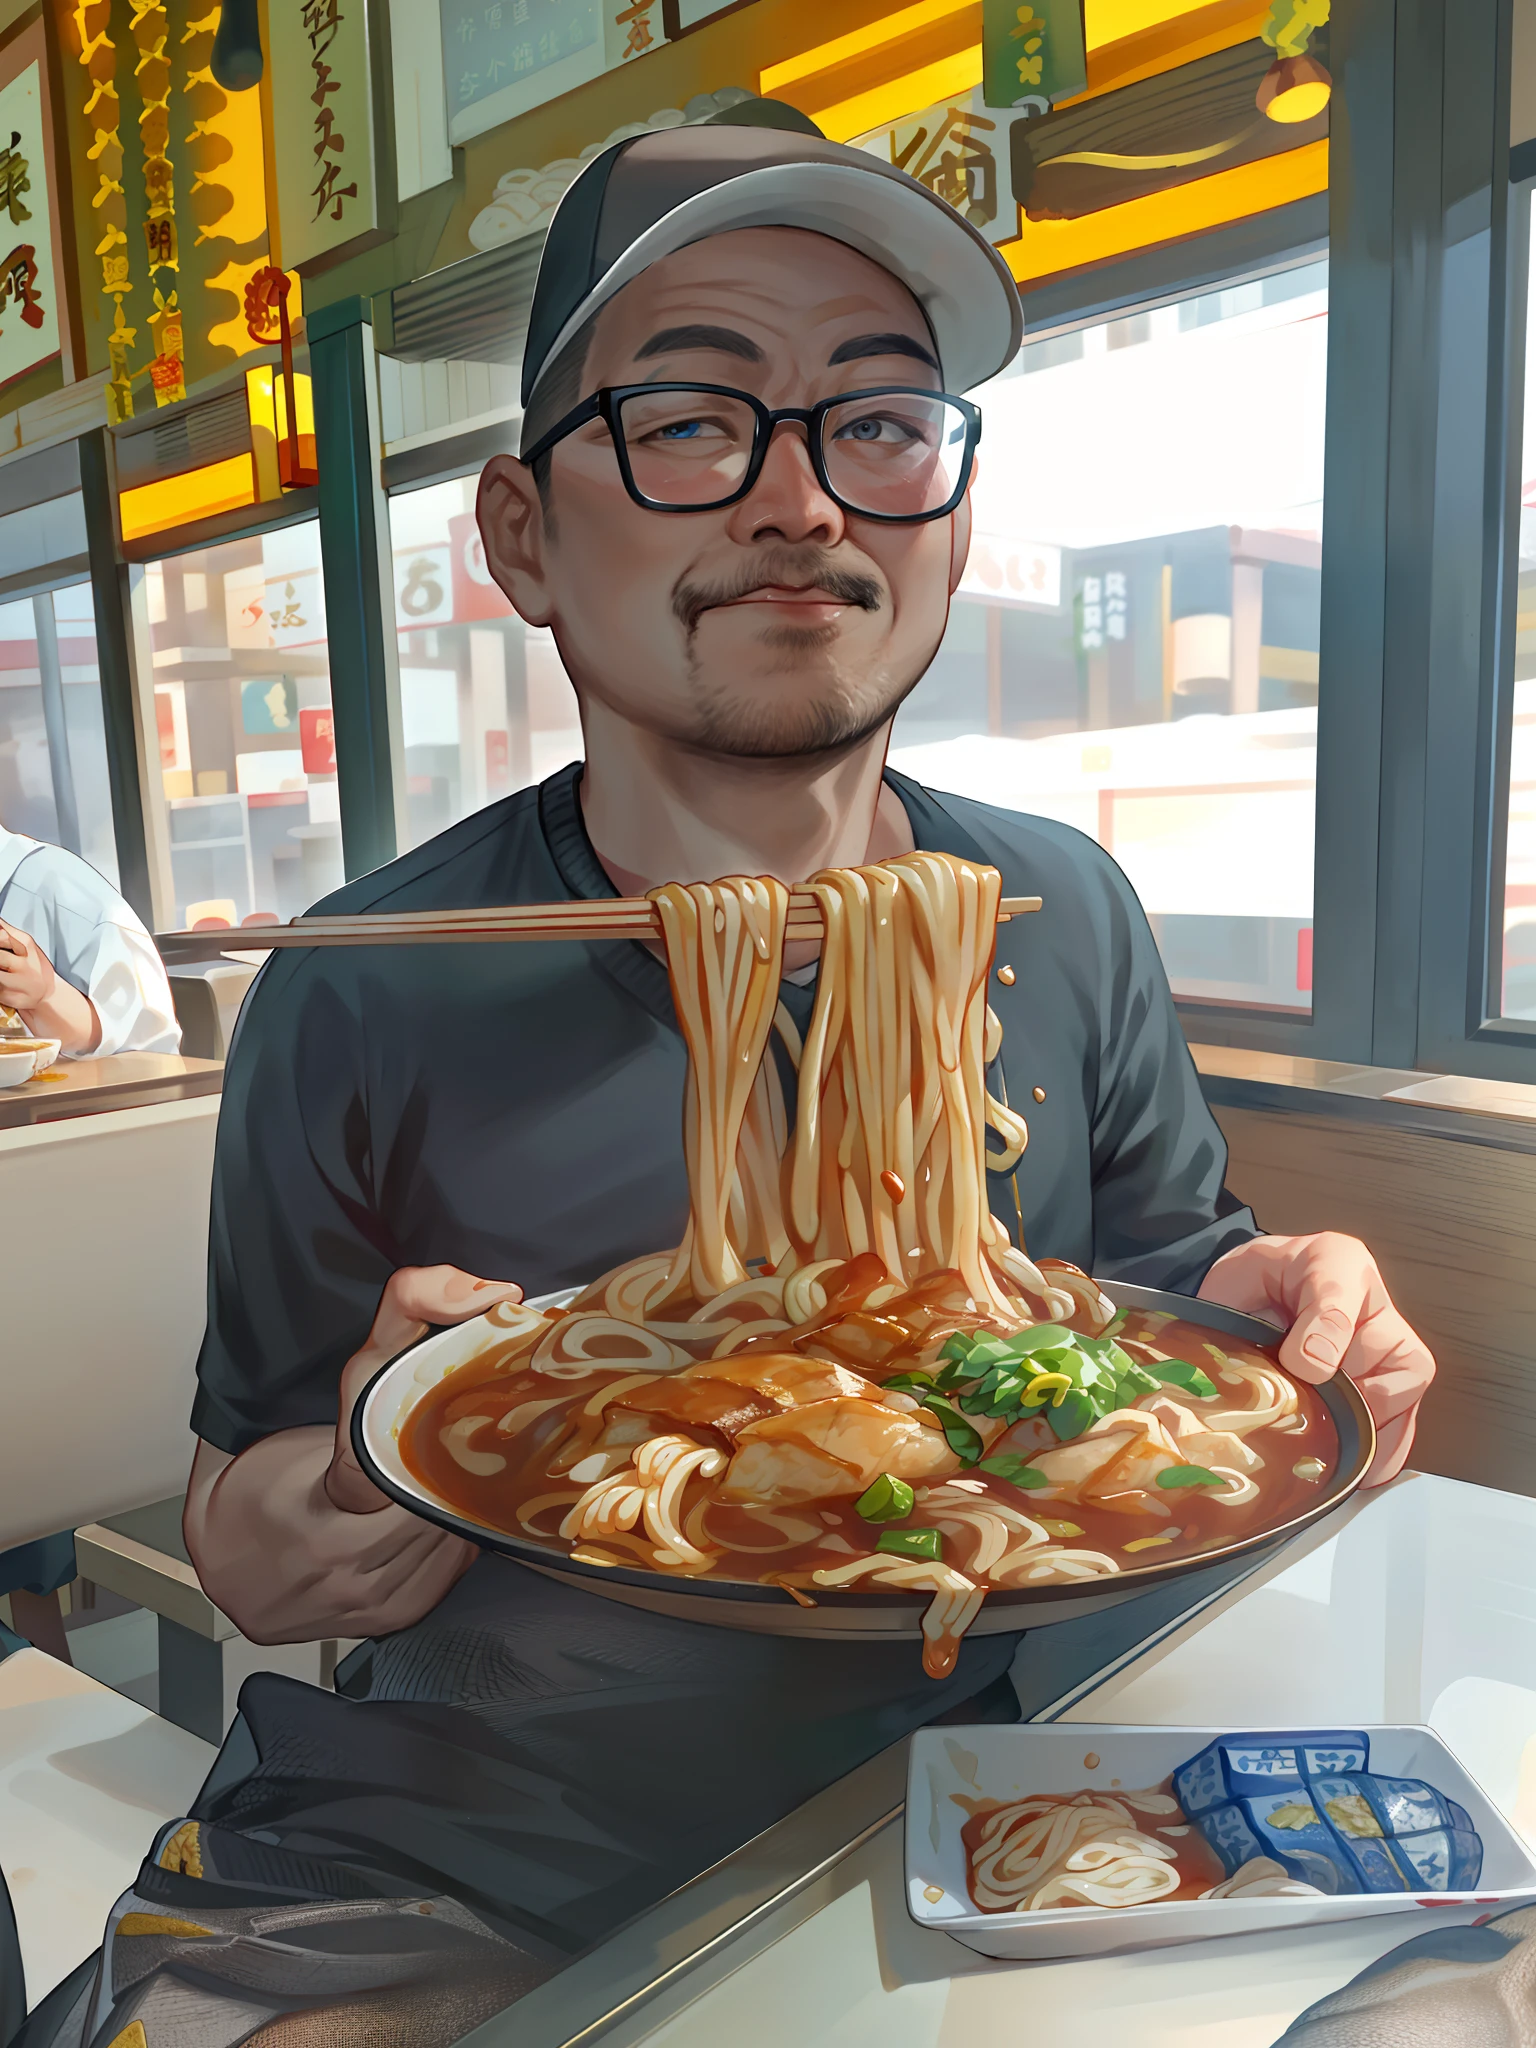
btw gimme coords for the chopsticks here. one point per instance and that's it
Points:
(606, 918)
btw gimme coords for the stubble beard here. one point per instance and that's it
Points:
(751, 720)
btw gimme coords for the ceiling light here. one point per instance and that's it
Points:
(1294, 89)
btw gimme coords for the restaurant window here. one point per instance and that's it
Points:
(486, 707)
(53, 754)
(238, 668)
(1134, 646)
(1519, 918)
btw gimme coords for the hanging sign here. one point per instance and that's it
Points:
(29, 316)
(1032, 55)
(321, 96)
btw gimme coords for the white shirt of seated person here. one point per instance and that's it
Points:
(95, 940)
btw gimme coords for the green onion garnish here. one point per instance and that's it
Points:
(1188, 1475)
(888, 1500)
(924, 1544)
(1189, 1377)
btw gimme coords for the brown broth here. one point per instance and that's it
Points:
(881, 1344)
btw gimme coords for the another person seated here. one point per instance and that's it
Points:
(76, 963)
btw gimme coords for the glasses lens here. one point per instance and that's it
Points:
(687, 447)
(896, 453)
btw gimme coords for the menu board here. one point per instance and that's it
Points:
(503, 57)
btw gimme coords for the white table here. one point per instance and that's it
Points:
(86, 1777)
(1415, 1604)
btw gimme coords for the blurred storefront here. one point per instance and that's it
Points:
(281, 334)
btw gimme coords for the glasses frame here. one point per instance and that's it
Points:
(606, 405)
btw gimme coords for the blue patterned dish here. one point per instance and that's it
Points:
(1310, 1801)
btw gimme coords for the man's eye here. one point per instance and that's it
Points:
(669, 433)
(872, 427)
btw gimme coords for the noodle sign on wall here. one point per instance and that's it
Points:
(29, 319)
(321, 98)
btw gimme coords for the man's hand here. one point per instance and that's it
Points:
(49, 1006)
(292, 1541)
(415, 1298)
(1329, 1292)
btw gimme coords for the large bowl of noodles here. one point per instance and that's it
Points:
(450, 1393)
(848, 1402)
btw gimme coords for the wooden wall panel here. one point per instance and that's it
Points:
(1453, 1228)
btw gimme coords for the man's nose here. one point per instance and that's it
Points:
(787, 502)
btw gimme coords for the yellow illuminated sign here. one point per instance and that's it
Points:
(195, 494)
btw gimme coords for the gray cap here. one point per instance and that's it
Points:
(652, 194)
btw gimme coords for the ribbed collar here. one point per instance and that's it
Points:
(633, 966)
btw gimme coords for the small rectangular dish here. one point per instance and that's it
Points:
(951, 1765)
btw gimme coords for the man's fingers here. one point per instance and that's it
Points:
(414, 1298)
(418, 1295)
(1332, 1286)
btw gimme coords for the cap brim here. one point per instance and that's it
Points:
(962, 284)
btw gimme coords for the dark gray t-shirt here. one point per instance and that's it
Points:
(559, 1759)
(517, 1109)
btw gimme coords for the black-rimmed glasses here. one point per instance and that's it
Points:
(895, 453)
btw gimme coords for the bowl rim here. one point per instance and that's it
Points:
(1340, 1396)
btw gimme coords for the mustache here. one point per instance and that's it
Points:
(789, 568)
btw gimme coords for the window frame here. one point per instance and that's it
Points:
(1428, 276)
(1477, 581)
(1360, 429)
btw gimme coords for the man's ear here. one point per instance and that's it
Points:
(512, 531)
(960, 536)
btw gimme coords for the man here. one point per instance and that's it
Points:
(398, 1149)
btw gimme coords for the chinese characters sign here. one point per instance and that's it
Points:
(29, 321)
(503, 57)
(491, 43)
(1103, 605)
(959, 149)
(322, 126)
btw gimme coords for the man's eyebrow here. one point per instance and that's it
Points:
(725, 339)
(881, 345)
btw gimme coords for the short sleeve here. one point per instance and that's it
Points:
(297, 1259)
(1162, 1212)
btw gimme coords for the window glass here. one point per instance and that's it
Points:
(486, 707)
(1134, 647)
(53, 753)
(1519, 963)
(250, 825)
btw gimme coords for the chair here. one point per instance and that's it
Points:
(197, 1012)
(207, 1005)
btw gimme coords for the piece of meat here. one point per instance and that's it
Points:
(709, 1405)
(832, 1448)
(785, 1377)
(1114, 1464)
(1199, 1444)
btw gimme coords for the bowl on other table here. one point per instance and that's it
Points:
(44, 1051)
(16, 1067)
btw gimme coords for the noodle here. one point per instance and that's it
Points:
(1083, 1850)
(740, 1379)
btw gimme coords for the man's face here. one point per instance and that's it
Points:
(777, 626)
